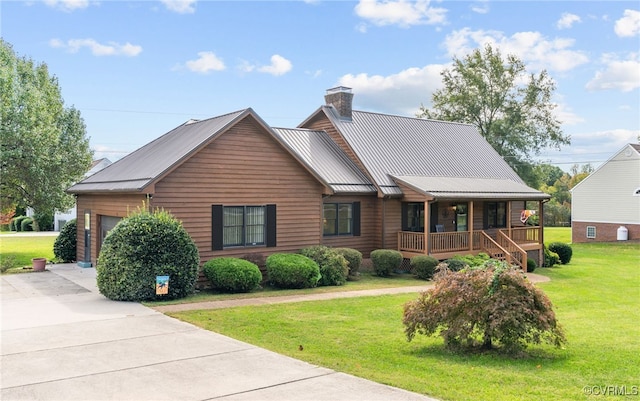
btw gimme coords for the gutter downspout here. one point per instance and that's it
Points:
(384, 215)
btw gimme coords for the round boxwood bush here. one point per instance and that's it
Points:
(232, 274)
(334, 268)
(385, 261)
(353, 257)
(140, 248)
(26, 224)
(550, 258)
(563, 250)
(424, 266)
(64, 247)
(531, 265)
(289, 270)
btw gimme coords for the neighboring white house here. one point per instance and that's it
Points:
(605, 206)
(60, 219)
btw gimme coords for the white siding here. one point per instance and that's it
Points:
(607, 195)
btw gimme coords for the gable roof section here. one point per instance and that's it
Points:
(629, 152)
(139, 169)
(389, 146)
(323, 156)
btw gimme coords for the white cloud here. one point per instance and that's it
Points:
(567, 20)
(180, 6)
(67, 5)
(279, 66)
(623, 75)
(535, 51)
(96, 48)
(206, 63)
(401, 93)
(480, 7)
(629, 25)
(403, 13)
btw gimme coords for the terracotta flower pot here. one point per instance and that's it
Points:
(38, 264)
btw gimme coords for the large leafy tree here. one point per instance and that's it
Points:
(43, 144)
(512, 110)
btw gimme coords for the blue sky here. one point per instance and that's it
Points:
(137, 69)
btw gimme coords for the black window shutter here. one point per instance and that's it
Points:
(403, 218)
(216, 228)
(356, 219)
(271, 226)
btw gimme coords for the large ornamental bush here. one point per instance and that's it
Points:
(354, 258)
(334, 268)
(550, 258)
(290, 270)
(493, 306)
(424, 266)
(142, 246)
(232, 274)
(563, 250)
(64, 247)
(385, 261)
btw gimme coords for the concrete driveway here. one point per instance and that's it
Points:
(62, 340)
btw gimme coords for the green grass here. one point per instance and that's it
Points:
(557, 234)
(17, 251)
(596, 298)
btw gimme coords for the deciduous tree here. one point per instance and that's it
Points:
(512, 110)
(43, 144)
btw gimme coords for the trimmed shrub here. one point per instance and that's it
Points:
(455, 265)
(531, 265)
(290, 270)
(424, 266)
(16, 223)
(473, 260)
(550, 258)
(232, 274)
(563, 250)
(513, 312)
(353, 257)
(334, 268)
(141, 247)
(64, 247)
(385, 261)
(26, 224)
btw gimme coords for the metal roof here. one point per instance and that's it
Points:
(390, 145)
(471, 188)
(140, 168)
(326, 159)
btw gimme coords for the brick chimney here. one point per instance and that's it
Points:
(341, 98)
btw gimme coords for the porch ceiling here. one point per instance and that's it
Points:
(470, 188)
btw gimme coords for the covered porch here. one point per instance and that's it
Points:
(486, 217)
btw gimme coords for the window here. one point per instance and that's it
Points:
(238, 226)
(341, 219)
(591, 231)
(243, 225)
(495, 214)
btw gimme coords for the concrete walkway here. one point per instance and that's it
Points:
(62, 340)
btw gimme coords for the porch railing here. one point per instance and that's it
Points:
(524, 235)
(411, 242)
(517, 255)
(450, 242)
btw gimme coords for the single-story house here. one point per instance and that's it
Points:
(342, 178)
(605, 206)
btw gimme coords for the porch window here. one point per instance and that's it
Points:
(495, 214)
(238, 226)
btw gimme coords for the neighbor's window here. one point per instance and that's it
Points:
(495, 214)
(337, 219)
(591, 231)
(243, 225)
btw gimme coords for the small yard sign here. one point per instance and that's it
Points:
(162, 285)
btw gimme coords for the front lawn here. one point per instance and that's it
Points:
(596, 298)
(17, 251)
